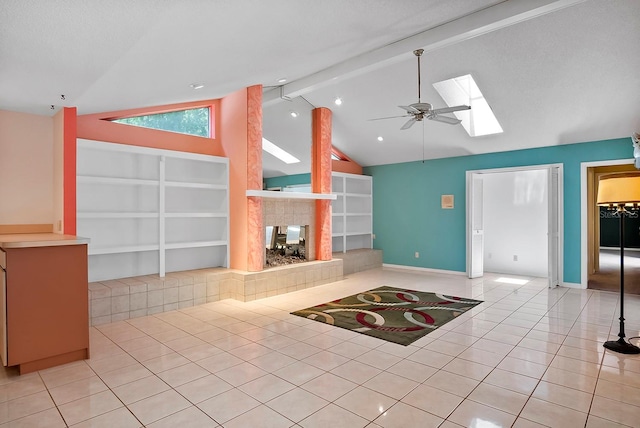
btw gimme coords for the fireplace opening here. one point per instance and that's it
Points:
(285, 245)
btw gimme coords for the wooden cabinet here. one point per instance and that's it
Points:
(151, 211)
(45, 304)
(352, 212)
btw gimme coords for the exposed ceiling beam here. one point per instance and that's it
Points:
(482, 22)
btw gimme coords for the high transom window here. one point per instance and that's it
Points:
(194, 121)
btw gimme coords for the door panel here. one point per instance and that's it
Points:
(476, 228)
(553, 227)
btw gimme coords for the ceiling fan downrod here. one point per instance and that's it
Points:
(418, 53)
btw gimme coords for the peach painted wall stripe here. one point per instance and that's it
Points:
(347, 167)
(69, 174)
(321, 178)
(97, 127)
(350, 166)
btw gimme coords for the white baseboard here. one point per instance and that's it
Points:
(572, 285)
(421, 269)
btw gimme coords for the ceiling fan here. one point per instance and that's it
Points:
(418, 111)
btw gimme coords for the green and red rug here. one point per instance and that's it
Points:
(395, 315)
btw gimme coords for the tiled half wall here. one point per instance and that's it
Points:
(126, 298)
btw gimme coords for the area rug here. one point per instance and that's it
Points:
(395, 315)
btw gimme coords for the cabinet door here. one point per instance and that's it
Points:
(48, 296)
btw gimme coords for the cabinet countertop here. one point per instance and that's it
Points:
(28, 240)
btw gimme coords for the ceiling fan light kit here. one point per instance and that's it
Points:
(416, 112)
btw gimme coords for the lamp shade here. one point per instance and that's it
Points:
(619, 189)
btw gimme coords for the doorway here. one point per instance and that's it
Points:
(602, 270)
(531, 188)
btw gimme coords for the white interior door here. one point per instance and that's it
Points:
(553, 226)
(475, 228)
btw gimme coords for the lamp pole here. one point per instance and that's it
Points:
(621, 345)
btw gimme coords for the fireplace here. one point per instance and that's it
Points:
(289, 236)
(285, 245)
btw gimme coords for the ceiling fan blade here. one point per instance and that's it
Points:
(410, 109)
(409, 123)
(389, 117)
(445, 119)
(450, 109)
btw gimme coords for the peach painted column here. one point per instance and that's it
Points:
(69, 147)
(241, 137)
(255, 227)
(321, 178)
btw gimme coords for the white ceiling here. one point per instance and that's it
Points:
(554, 71)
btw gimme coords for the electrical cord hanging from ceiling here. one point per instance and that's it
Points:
(307, 101)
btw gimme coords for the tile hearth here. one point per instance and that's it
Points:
(121, 299)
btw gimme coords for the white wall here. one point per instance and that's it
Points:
(26, 168)
(515, 222)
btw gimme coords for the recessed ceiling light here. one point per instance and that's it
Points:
(197, 85)
(338, 101)
(282, 80)
(293, 114)
(380, 138)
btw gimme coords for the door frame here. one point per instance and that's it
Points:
(584, 232)
(559, 264)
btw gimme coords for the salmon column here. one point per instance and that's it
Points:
(255, 227)
(241, 129)
(321, 178)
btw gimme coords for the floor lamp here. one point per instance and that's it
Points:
(620, 192)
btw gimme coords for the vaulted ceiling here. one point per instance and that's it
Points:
(554, 72)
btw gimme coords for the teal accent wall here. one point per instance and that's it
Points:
(287, 180)
(406, 202)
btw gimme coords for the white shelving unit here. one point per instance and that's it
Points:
(150, 210)
(352, 219)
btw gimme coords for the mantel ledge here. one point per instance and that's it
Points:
(289, 195)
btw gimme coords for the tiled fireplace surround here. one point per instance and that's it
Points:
(126, 298)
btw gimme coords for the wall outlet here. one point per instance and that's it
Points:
(59, 225)
(417, 255)
(373, 235)
(489, 255)
(515, 258)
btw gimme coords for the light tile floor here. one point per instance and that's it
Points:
(528, 356)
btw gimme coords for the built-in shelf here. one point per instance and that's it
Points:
(194, 244)
(93, 251)
(352, 214)
(195, 215)
(115, 180)
(83, 215)
(195, 185)
(289, 195)
(150, 210)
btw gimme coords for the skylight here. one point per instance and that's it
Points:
(276, 151)
(478, 121)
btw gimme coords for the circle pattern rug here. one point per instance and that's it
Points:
(393, 314)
